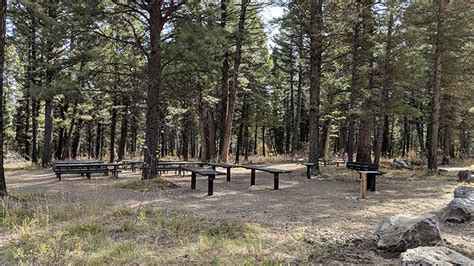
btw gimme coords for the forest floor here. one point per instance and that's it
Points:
(321, 220)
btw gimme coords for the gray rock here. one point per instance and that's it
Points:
(399, 233)
(464, 192)
(401, 164)
(434, 256)
(464, 176)
(459, 210)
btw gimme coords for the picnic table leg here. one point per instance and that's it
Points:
(193, 180)
(252, 177)
(58, 176)
(210, 185)
(363, 185)
(372, 183)
(308, 171)
(88, 175)
(275, 181)
(228, 174)
(214, 167)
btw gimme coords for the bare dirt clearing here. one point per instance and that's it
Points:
(306, 212)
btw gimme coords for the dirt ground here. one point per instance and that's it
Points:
(323, 209)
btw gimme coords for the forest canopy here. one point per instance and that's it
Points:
(222, 80)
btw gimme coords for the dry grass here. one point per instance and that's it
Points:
(41, 232)
(21, 166)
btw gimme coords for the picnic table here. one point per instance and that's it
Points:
(211, 175)
(275, 172)
(367, 174)
(86, 169)
(56, 162)
(132, 163)
(222, 165)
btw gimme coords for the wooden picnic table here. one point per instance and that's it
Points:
(211, 175)
(223, 165)
(56, 162)
(87, 169)
(275, 172)
(132, 163)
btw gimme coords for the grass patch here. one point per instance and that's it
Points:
(21, 166)
(154, 184)
(59, 232)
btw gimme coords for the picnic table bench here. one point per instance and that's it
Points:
(86, 168)
(211, 175)
(367, 174)
(56, 162)
(275, 172)
(222, 165)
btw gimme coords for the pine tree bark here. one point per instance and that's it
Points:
(48, 133)
(354, 83)
(113, 127)
(296, 134)
(315, 81)
(385, 88)
(3, 10)
(123, 134)
(224, 153)
(225, 79)
(436, 89)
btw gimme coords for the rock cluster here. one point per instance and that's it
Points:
(417, 237)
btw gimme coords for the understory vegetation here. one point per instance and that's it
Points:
(46, 233)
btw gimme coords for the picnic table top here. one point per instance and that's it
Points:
(86, 165)
(223, 165)
(177, 162)
(370, 172)
(266, 169)
(203, 171)
(75, 162)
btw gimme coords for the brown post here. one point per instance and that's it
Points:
(252, 178)
(275, 181)
(363, 185)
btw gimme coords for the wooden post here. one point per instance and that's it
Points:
(193, 180)
(308, 171)
(228, 174)
(252, 178)
(210, 185)
(214, 167)
(275, 181)
(363, 185)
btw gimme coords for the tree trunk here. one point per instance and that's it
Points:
(34, 131)
(233, 88)
(240, 137)
(255, 143)
(113, 126)
(264, 153)
(76, 137)
(123, 134)
(296, 134)
(385, 88)
(225, 79)
(48, 133)
(434, 113)
(315, 81)
(354, 85)
(3, 3)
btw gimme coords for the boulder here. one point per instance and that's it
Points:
(399, 233)
(464, 192)
(401, 164)
(434, 256)
(464, 176)
(459, 210)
